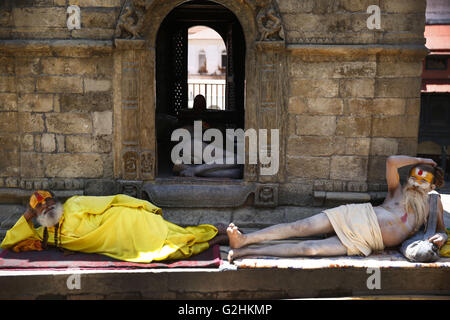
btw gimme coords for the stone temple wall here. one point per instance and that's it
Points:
(347, 113)
(305, 21)
(56, 120)
(350, 94)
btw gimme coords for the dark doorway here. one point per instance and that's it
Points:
(172, 74)
(435, 126)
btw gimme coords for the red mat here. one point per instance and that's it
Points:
(54, 259)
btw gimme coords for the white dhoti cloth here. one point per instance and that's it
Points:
(357, 227)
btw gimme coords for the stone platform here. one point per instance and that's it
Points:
(308, 278)
(247, 278)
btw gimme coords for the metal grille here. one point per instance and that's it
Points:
(179, 69)
(231, 99)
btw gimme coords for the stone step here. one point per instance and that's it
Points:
(9, 214)
(227, 283)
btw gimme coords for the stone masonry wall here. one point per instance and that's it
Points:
(347, 113)
(56, 120)
(345, 21)
(47, 19)
(305, 21)
(353, 93)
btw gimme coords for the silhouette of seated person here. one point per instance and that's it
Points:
(211, 170)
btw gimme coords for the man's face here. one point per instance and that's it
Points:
(420, 178)
(42, 208)
(49, 213)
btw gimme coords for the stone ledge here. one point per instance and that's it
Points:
(198, 195)
(354, 49)
(21, 196)
(324, 198)
(207, 193)
(129, 44)
(222, 284)
(270, 45)
(78, 48)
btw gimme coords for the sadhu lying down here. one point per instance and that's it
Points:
(358, 229)
(119, 226)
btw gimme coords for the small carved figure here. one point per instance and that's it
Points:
(266, 194)
(269, 23)
(130, 162)
(130, 190)
(146, 162)
(131, 20)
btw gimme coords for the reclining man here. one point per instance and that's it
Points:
(207, 170)
(119, 226)
(358, 228)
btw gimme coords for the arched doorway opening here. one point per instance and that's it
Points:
(174, 95)
(207, 60)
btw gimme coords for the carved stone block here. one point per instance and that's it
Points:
(147, 167)
(131, 188)
(266, 195)
(130, 164)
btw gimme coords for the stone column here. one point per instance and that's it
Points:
(269, 114)
(271, 66)
(134, 111)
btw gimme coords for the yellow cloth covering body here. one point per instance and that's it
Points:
(121, 227)
(357, 227)
(445, 249)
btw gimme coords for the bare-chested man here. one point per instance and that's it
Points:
(359, 228)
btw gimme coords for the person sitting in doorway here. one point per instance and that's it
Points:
(199, 103)
(211, 170)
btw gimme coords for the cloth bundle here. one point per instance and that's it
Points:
(418, 248)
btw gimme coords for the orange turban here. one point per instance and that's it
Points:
(39, 197)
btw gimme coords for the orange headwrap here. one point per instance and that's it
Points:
(39, 196)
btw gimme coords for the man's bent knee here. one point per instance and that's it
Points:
(308, 248)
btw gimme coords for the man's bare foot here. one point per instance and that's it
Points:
(178, 167)
(237, 239)
(190, 172)
(234, 254)
(230, 256)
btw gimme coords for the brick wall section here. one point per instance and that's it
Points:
(347, 115)
(322, 21)
(57, 119)
(347, 111)
(345, 21)
(44, 19)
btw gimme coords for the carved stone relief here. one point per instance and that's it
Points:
(137, 157)
(131, 188)
(271, 111)
(268, 20)
(131, 19)
(147, 161)
(130, 164)
(266, 195)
